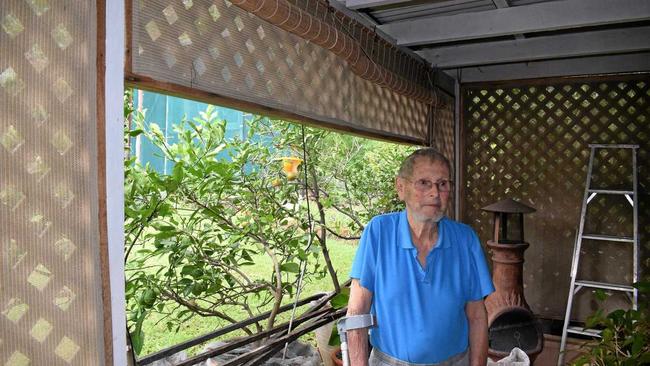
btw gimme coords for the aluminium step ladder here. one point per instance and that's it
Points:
(577, 285)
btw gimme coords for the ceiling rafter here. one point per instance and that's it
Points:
(361, 4)
(541, 48)
(638, 62)
(501, 4)
(540, 17)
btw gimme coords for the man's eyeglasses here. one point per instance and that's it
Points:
(425, 185)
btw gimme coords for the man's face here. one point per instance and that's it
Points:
(424, 203)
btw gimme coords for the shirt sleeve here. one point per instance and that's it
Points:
(481, 281)
(364, 265)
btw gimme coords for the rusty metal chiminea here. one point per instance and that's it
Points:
(511, 323)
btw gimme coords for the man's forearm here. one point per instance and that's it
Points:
(478, 344)
(359, 303)
(478, 333)
(358, 347)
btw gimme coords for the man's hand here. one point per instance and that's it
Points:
(478, 332)
(359, 303)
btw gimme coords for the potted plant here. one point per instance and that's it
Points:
(625, 336)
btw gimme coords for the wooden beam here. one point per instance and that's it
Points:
(360, 4)
(542, 48)
(393, 14)
(597, 65)
(102, 217)
(147, 83)
(547, 16)
(500, 4)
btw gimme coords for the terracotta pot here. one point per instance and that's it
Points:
(336, 356)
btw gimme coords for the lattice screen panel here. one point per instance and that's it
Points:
(443, 139)
(530, 142)
(216, 47)
(50, 304)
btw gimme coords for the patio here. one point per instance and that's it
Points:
(511, 91)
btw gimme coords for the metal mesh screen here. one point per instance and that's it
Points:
(50, 293)
(216, 47)
(443, 139)
(531, 142)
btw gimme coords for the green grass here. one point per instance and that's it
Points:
(158, 337)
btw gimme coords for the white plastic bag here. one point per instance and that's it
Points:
(516, 357)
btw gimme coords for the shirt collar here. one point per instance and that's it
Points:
(404, 232)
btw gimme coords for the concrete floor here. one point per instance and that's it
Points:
(549, 354)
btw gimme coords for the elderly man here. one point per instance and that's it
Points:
(422, 275)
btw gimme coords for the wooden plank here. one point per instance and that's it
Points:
(541, 48)
(146, 83)
(100, 131)
(547, 16)
(458, 178)
(500, 4)
(434, 7)
(462, 147)
(360, 4)
(445, 8)
(557, 80)
(128, 33)
(637, 62)
(148, 359)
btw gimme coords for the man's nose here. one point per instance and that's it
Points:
(434, 191)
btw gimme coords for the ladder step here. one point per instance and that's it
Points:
(614, 146)
(631, 194)
(625, 239)
(584, 331)
(610, 191)
(605, 286)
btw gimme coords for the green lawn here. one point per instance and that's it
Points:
(158, 337)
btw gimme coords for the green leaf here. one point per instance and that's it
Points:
(644, 359)
(135, 133)
(600, 295)
(595, 319)
(182, 313)
(643, 286)
(581, 361)
(198, 288)
(617, 316)
(188, 269)
(137, 341)
(290, 267)
(165, 235)
(340, 301)
(326, 202)
(178, 172)
(137, 336)
(246, 256)
(335, 338)
(148, 298)
(637, 344)
(607, 335)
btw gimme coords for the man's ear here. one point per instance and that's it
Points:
(399, 187)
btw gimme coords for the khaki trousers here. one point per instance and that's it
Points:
(378, 358)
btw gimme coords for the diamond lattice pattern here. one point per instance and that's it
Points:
(50, 304)
(216, 47)
(530, 142)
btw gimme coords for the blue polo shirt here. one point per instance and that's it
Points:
(420, 311)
